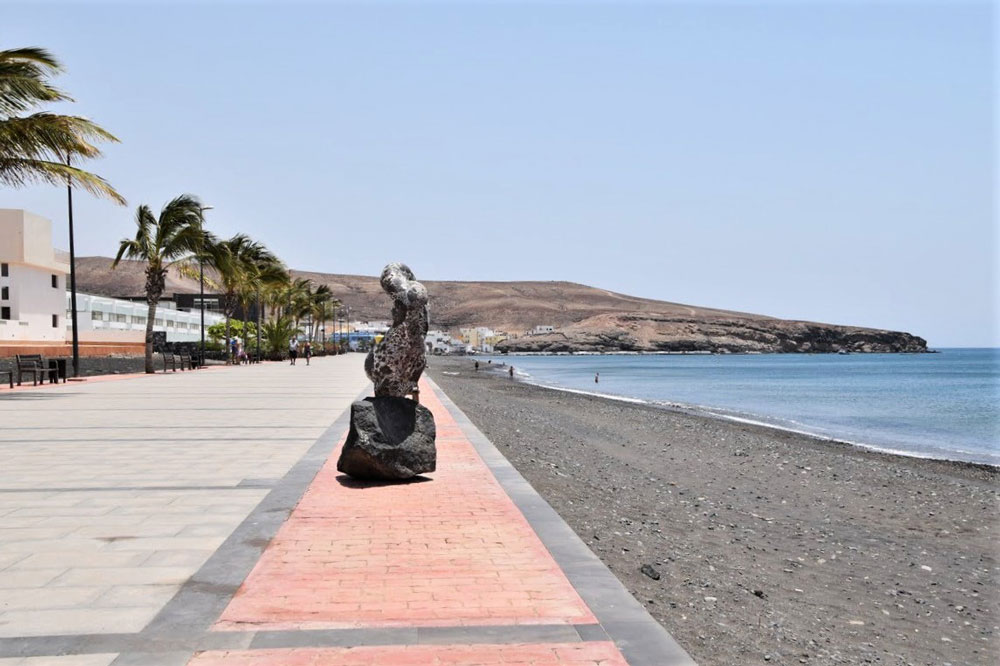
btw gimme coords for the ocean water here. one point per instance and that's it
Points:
(944, 405)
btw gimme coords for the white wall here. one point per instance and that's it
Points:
(112, 316)
(26, 249)
(32, 303)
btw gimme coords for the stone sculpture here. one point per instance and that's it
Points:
(391, 436)
(396, 363)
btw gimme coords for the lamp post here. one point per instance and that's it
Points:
(201, 280)
(72, 276)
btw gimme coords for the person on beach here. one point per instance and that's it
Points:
(477, 366)
(293, 349)
(308, 351)
(511, 372)
(597, 377)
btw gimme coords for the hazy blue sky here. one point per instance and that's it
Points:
(832, 162)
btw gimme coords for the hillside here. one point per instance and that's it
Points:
(589, 319)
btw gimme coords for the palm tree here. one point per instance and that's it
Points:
(39, 147)
(238, 261)
(319, 299)
(278, 332)
(262, 272)
(173, 238)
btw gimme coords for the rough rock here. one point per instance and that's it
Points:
(390, 439)
(395, 364)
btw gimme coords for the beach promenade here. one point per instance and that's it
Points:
(198, 518)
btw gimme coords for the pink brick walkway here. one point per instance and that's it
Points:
(452, 551)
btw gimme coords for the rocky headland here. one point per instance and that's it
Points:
(652, 332)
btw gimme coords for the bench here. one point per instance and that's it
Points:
(185, 358)
(10, 376)
(34, 364)
(169, 361)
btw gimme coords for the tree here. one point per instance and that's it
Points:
(172, 238)
(37, 147)
(240, 263)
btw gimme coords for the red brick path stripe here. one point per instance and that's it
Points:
(558, 654)
(450, 551)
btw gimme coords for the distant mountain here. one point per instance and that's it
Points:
(587, 318)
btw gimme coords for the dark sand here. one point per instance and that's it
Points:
(771, 547)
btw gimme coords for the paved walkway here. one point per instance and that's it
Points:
(198, 518)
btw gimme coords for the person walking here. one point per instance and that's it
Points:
(511, 372)
(597, 378)
(293, 349)
(307, 351)
(477, 366)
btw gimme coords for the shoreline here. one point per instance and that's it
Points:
(770, 546)
(707, 412)
(720, 413)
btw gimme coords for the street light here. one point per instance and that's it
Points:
(201, 271)
(72, 276)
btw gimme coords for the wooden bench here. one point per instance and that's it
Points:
(10, 376)
(34, 364)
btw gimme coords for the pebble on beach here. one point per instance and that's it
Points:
(821, 530)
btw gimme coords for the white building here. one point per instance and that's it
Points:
(32, 280)
(375, 327)
(541, 330)
(100, 318)
(439, 342)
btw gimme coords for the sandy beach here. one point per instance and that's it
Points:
(753, 545)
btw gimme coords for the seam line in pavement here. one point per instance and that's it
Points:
(128, 645)
(642, 640)
(242, 485)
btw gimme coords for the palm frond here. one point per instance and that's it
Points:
(18, 172)
(24, 75)
(33, 148)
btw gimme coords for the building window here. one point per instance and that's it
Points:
(55, 281)
(55, 321)
(5, 313)
(5, 293)
(4, 270)
(96, 315)
(120, 318)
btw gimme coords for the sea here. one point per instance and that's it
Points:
(939, 405)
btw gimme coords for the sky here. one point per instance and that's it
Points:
(826, 161)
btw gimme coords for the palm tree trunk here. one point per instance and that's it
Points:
(154, 289)
(150, 317)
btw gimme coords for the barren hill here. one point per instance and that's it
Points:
(588, 318)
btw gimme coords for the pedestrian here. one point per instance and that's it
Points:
(477, 366)
(597, 377)
(511, 372)
(232, 351)
(293, 349)
(308, 350)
